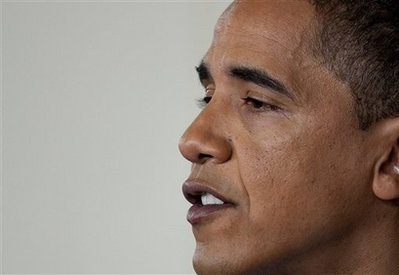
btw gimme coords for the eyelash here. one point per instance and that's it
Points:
(255, 103)
(203, 101)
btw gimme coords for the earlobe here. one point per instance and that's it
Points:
(386, 180)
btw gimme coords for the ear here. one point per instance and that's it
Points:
(386, 177)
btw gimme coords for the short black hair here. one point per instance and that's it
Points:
(359, 41)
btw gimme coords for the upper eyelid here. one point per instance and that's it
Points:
(243, 73)
(208, 88)
(206, 83)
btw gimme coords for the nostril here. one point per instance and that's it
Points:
(204, 156)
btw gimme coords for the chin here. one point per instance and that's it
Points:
(205, 266)
(222, 258)
(207, 261)
(216, 261)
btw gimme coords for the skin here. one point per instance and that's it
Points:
(312, 192)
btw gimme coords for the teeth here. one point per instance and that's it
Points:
(207, 199)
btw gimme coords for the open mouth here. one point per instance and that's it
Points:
(209, 199)
(203, 198)
(205, 201)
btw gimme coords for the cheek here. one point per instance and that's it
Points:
(299, 186)
(275, 182)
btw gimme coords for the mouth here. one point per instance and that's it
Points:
(206, 202)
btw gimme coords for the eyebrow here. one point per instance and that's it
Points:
(258, 77)
(249, 74)
(203, 72)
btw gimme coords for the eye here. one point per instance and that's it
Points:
(202, 102)
(260, 105)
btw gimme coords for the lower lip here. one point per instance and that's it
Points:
(198, 212)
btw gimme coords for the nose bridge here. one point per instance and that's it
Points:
(206, 138)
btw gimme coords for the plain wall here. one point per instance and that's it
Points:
(94, 98)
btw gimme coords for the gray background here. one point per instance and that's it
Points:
(94, 98)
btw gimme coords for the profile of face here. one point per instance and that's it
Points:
(280, 170)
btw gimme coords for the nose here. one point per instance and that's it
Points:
(205, 139)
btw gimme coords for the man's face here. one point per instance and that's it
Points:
(277, 142)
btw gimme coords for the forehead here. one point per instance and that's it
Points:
(269, 34)
(269, 15)
(265, 30)
(267, 19)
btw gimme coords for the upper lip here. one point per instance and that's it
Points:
(194, 189)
